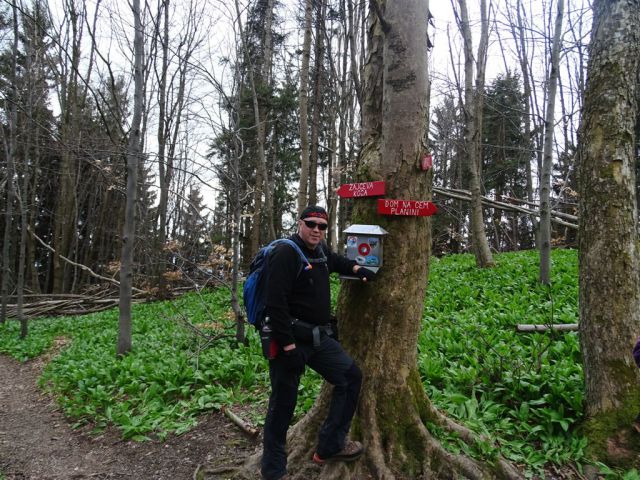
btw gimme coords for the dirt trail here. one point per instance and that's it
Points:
(37, 443)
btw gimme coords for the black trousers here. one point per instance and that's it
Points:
(334, 364)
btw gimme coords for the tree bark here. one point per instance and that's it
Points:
(351, 26)
(380, 322)
(31, 248)
(259, 114)
(473, 127)
(343, 103)
(608, 236)
(318, 103)
(133, 154)
(266, 78)
(173, 97)
(519, 38)
(545, 180)
(236, 209)
(24, 192)
(165, 164)
(10, 152)
(304, 110)
(65, 214)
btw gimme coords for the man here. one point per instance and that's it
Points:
(298, 311)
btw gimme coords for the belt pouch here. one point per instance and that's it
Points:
(302, 331)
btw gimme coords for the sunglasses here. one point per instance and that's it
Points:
(311, 225)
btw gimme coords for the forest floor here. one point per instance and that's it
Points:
(37, 441)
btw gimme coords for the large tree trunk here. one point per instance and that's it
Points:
(545, 181)
(609, 242)
(380, 322)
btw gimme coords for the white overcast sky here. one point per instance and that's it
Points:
(114, 30)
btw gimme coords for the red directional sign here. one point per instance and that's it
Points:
(410, 208)
(366, 189)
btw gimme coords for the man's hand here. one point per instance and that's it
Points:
(293, 360)
(365, 274)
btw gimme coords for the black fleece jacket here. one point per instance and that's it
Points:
(294, 291)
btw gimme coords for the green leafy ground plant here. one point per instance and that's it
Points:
(166, 381)
(523, 391)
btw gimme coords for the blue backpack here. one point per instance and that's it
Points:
(254, 290)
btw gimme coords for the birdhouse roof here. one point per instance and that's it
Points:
(365, 230)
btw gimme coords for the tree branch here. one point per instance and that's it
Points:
(464, 195)
(79, 265)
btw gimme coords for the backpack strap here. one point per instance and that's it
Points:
(320, 249)
(306, 263)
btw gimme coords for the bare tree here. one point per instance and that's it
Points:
(165, 166)
(337, 142)
(10, 147)
(318, 103)
(304, 111)
(473, 101)
(545, 180)
(237, 203)
(172, 76)
(71, 99)
(133, 155)
(24, 193)
(522, 49)
(259, 115)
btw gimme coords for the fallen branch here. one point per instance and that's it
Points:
(560, 327)
(79, 265)
(64, 307)
(248, 429)
(560, 218)
(53, 305)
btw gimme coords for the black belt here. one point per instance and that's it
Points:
(316, 330)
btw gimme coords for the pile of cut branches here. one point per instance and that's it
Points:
(50, 305)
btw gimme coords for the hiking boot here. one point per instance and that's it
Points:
(350, 452)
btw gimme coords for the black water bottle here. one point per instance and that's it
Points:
(269, 348)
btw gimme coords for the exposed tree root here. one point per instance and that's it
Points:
(400, 449)
(386, 458)
(504, 468)
(382, 459)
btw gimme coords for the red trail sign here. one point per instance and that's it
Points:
(366, 189)
(410, 208)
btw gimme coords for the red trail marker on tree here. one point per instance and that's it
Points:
(365, 189)
(409, 208)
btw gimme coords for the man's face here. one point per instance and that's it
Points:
(309, 230)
